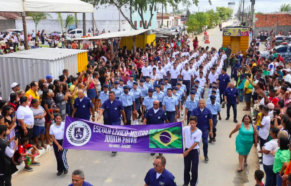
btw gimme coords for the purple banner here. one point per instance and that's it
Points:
(85, 135)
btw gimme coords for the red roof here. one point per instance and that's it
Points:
(9, 15)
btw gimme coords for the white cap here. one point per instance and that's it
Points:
(13, 85)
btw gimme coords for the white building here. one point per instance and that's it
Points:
(105, 17)
(231, 5)
(169, 20)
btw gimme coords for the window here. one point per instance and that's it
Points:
(155, 8)
(140, 24)
(282, 49)
(145, 23)
(279, 38)
(79, 32)
(73, 32)
(150, 23)
(135, 24)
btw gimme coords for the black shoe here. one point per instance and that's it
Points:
(206, 159)
(66, 172)
(153, 154)
(114, 153)
(160, 154)
(235, 120)
(59, 173)
(260, 157)
(227, 118)
(210, 141)
(185, 184)
(260, 162)
(214, 140)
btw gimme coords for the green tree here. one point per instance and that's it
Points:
(259, 13)
(224, 13)
(37, 17)
(196, 22)
(285, 8)
(70, 20)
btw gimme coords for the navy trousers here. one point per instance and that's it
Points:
(173, 82)
(61, 158)
(187, 84)
(234, 107)
(188, 116)
(171, 116)
(191, 161)
(214, 120)
(205, 142)
(128, 111)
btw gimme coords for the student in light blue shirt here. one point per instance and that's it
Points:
(143, 88)
(121, 85)
(104, 95)
(178, 97)
(128, 102)
(116, 90)
(130, 82)
(148, 102)
(190, 104)
(159, 94)
(215, 109)
(147, 83)
(137, 97)
(217, 98)
(167, 84)
(170, 105)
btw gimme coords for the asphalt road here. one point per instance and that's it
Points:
(129, 169)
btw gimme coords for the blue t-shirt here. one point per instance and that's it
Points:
(84, 184)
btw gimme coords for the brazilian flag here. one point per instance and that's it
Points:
(167, 138)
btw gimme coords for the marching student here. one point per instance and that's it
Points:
(57, 134)
(192, 137)
(214, 107)
(128, 102)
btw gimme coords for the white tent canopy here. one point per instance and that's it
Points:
(113, 35)
(45, 6)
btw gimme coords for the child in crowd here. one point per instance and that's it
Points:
(259, 117)
(25, 152)
(259, 175)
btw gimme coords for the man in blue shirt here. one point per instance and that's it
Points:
(147, 83)
(155, 115)
(214, 107)
(159, 94)
(130, 82)
(158, 175)
(190, 104)
(223, 84)
(104, 95)
(170, 105)
(128, 103)
(116, 90)
(78, 178)
(231, 99)
(148, 102)
(111, 110)
(83, 107)
(205, 124)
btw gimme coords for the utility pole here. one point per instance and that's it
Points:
(76, 21)
(119, 21)
(23, 15)
(252, 14)
(162, 15)
(243, 11)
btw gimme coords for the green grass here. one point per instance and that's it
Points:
(44, 46)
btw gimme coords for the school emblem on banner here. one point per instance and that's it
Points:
(78, 133)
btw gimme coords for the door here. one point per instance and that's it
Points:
(234, 44)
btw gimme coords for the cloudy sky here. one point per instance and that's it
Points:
(264, 6)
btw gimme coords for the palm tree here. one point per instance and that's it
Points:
(60, 21)
(37, 17)
(285, 8)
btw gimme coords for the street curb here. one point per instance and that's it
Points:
(41, 153)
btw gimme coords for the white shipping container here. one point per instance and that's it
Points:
(31, 65)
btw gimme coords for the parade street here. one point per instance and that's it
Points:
(129, 169)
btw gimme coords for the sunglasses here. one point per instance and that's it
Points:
(155, 165)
